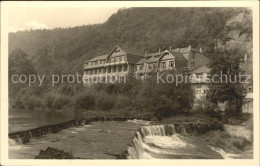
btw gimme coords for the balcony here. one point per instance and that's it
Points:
(116, 63)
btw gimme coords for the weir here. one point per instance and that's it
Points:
(158, 140)
(23, 137)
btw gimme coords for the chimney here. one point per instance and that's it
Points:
(178, 50)
(189, 47)
(159, 50)
(170, 48)
(200, 50)
(145, 53)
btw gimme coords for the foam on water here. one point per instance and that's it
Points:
(224, 154)
(167, 142)
(142, 122)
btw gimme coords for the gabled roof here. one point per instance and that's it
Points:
(200, 69)
(152, 60)
(153, 54)
(132, 51)
(141, 61)
(101, 57)
(185, 50)
(177, 54)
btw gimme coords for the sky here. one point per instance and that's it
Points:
(27, 18)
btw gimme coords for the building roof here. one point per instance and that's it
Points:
(177, 54)
(132, 51)
(185, 50)
(152, 60)
(100, 57)
(200, 69)
(141, 61)
(153, 54)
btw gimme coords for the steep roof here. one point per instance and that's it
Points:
(141, 61)
(185, 50)
(177, 54)
(153, 54)
(101, 57)
(152, 60)
(132, 51)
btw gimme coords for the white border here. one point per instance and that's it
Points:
(4, 81)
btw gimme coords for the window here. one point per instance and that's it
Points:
(149, 66)
(192, 64)
(114, 69)
(126, 68)
(193, 56)
(163, 65)
(171, 64)
(141, 67)
(154, 65)
(119, 68)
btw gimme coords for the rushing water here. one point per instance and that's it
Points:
(162, 141)
(99, 140)
(108, 139)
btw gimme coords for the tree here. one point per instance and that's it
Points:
(226, 80)
(19, 64)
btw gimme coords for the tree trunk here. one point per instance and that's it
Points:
(239, 105)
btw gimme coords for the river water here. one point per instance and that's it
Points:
(106, 140)
(25, 120)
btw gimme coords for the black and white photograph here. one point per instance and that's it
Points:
(125, 82)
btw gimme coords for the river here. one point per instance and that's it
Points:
(108, 139)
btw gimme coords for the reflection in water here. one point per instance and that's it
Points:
(24, 120)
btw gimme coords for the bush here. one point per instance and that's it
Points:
(122, 101)
(84, 101)
(60, 102)
(105, 101)
(31, 103)
(48, 100)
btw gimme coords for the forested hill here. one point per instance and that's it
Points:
(63, 50)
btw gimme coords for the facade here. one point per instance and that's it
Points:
(122, 62)
(199, 76)
(116, 65)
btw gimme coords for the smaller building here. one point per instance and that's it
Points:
(199, 79)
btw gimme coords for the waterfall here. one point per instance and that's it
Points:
(140, 149)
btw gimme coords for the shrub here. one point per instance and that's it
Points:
(84, 101)
(60, 102)
(122, 101)
(31, 103)
(48, 100)
(105, 101)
